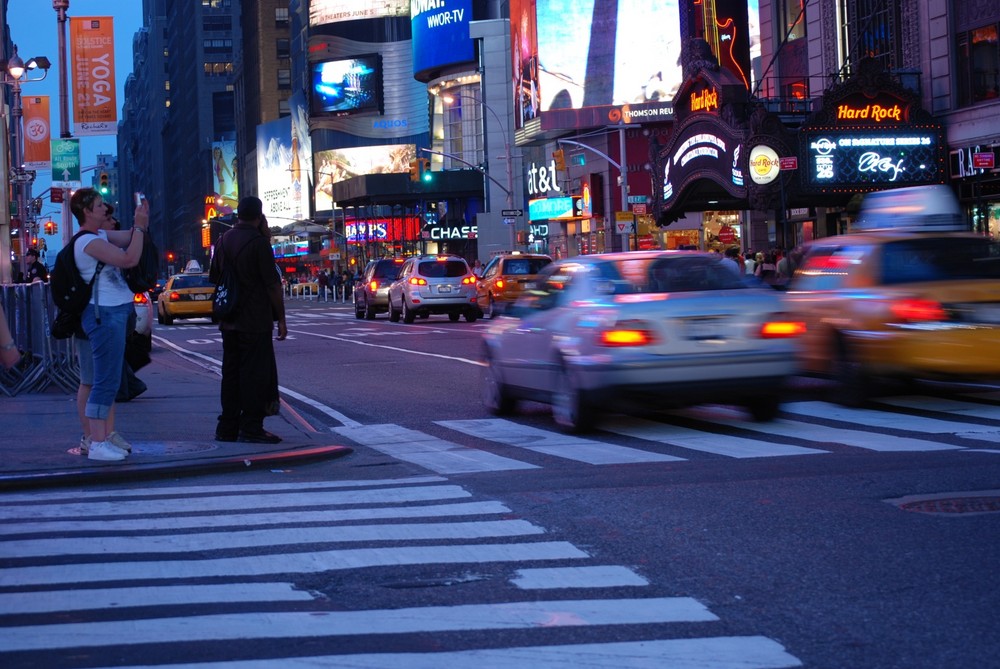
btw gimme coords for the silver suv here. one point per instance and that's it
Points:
(371, 294)
(433, 285)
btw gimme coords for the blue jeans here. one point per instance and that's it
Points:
(107, 340)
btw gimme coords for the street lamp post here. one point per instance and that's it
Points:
(20, 179)
(61, 7)
(508, 158)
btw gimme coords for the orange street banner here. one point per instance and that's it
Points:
(37, 149)
(92, 44)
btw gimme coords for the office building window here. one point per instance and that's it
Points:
(281, 16)
(792, 18)
(284, 109)
(284, 79)
(283, 47)
(873, 28)
(978, 65)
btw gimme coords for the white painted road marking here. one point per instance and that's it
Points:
(600, 576)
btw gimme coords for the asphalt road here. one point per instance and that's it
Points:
(689, 538)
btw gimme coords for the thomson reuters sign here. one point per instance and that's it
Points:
(764, 164)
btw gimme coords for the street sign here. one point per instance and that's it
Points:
(639, 208)
(509, 220)
(636, 199)
(983, 160)
(788, 163)
(65, 163)
(56, 195)
(511, 212)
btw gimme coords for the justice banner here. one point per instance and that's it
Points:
(37, 149)
(92, 42)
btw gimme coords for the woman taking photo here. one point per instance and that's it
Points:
(106, 317)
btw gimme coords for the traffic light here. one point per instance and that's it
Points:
(415, 169)
(103, 186)
(50, 228)
(425, 170)
(560, 157)
(170, 256)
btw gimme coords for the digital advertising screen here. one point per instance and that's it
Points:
(322, 12)
(337, 165)
(346, 86)
(440, 30)
(879, 158)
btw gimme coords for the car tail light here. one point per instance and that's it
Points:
(627, 333)
(779, 329)
(417, 281)
(499, 284)
(910, 310)
(174, 295)
(140, 298)
(469, 280)
(373, 286)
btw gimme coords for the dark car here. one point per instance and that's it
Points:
(371, 293)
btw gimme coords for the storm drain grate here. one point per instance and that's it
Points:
(950, 504)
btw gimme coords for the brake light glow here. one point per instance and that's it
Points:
(417, 281)
(373, 286)
(915, 309)
(627, 333)
(499, 284)
(469, 280)
(782, 329)
(174, 295)
(140, 298)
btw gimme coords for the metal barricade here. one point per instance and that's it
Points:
(44, 361)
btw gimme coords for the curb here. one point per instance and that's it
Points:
(115, 472)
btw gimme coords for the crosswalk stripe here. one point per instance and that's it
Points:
(599, 576)
(259, 519)
(271, 625)
(58, 601)
(706, 442)
(884, 419)
(945, 406)
(818, 433)
(143, 507)
(552, 443)
(189, 543)
(422, 449)
(289, 563)
(732, 652)
(41, 496)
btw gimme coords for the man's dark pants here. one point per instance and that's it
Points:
(247, 376)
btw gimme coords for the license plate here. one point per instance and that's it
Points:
(201, 296)
(444, 289)
(703, 329)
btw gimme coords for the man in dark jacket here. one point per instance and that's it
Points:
(34, 270)
(249, 370)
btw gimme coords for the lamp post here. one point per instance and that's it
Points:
(61, 7)
(14, 76)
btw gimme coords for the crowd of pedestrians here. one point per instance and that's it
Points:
(774, 266)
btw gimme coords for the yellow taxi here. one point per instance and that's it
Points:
(505, 277)
(187, 295)
(909, 294)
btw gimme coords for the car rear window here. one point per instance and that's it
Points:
(193, 281)
(940, 259)
(438, 269)
(683, 274)
(525, 266)
(386, 270)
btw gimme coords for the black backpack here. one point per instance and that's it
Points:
(70, 292)
(142, 277)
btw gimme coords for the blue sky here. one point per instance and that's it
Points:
(35, 31)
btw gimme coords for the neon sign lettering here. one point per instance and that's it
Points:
(871, 112)
(706, 100)
(873, 162)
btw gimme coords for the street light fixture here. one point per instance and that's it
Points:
(16, 73)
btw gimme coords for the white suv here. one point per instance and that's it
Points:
(433, 285)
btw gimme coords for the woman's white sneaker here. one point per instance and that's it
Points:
(106, 451)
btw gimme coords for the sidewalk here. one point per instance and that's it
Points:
(170, 426)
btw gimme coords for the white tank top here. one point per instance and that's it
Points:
(110, 288)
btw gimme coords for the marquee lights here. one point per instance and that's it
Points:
(872, 157)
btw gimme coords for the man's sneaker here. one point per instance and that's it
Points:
(262, 437)
(119, 441)
(105, 451)
(84, 445)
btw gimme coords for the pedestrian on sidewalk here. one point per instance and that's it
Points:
(323, 281)
(105, 318)
(248, 365)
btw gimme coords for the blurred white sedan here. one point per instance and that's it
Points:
(653, 329)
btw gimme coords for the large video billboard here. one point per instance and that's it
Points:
(440, 30)
(574, 54)
(322, 12)
(339, 164)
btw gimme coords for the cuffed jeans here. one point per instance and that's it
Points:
(107, 341)
(248, 372)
